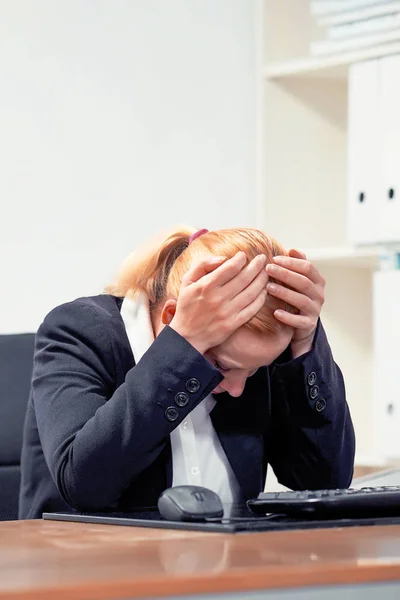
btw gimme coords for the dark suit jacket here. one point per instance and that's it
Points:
(97, 427)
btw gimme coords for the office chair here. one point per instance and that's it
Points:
(16, 358)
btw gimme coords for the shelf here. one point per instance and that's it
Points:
(346, 256)
(303, 188)
(332, 66)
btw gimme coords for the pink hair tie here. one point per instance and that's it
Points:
(197, 234)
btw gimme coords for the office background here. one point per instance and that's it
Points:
(117, 119)
(122, 118)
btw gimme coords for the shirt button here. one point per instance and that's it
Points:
(311, 378)
(192, 385)
(181, 399)
(171, 414)
(320, 405)
(185, 425)
(314, 392)
(194, 471)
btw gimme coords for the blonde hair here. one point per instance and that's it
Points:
(158, 270)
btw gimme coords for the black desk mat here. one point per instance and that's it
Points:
(241, 520)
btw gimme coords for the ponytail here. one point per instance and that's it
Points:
(147, 270)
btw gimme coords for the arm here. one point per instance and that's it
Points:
(96, 439)
(312, 445)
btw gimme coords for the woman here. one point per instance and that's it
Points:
(204, 362)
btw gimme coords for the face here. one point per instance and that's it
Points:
(242, 354)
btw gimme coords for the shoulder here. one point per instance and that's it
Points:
(90, 315)
(102, 306)
(89, 329)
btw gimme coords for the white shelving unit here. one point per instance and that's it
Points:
(302, 187)
(328, 66)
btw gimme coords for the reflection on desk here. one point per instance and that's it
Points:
(47, 559)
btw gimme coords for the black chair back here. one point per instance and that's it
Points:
(16, 359)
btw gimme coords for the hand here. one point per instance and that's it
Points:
(307, 294)
(218, 296)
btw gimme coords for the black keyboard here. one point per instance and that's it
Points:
(342, 503)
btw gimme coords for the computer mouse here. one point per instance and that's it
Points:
(189, 503)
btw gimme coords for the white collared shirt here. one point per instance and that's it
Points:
(197, 455)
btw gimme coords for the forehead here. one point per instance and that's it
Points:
(247, 349)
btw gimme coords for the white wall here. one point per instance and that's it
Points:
(117, 118)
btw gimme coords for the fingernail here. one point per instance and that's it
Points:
(279, 258)
(271, 287)
(216, 259)
(272, 268)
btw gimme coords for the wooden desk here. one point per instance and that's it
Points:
(50, 559)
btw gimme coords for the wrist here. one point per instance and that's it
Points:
(302, 346)
(199, 345)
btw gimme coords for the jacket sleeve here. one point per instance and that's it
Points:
(313, 444)
(96, 439)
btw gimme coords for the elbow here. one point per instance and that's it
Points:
(83, 499)
(342, 475)
(346, 470)
(342, 454)
(84, 493)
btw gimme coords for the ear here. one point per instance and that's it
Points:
(168, 311)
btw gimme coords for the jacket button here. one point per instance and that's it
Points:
(171, 413)
(311, 378)
(314, 392)
(192, 385)
(181, 399)
(320, 405)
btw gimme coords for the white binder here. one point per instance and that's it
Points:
(365, 27)
(386, 313)
(327, 7)
(363, 158)
(389, 188)
(360, 13)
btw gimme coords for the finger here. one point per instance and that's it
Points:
(227, 271)
(202, 268)
(303, 303)
(304, 267)
(294, 321)
(248, 274)
(249, 311)
(297, 253)
(248, 294)
(299, 283)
